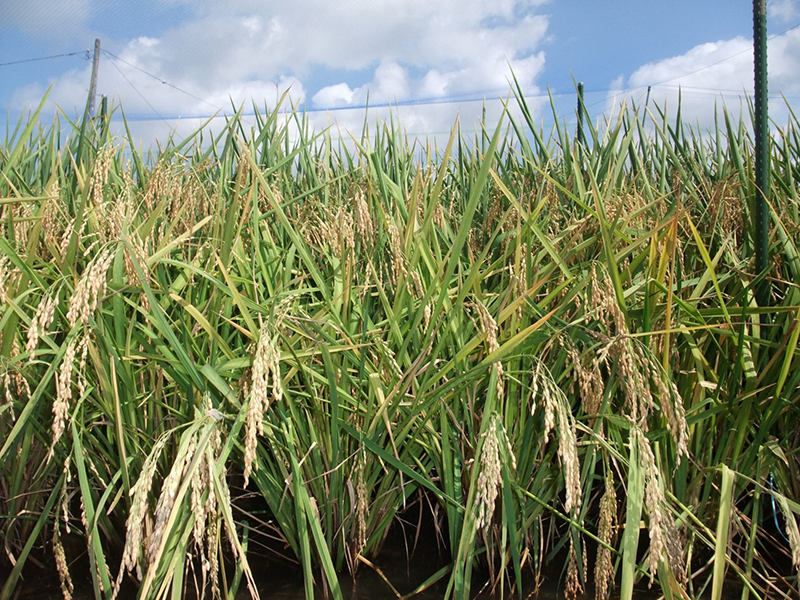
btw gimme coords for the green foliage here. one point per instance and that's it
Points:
(554, 348)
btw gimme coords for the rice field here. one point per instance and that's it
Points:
(267, 341)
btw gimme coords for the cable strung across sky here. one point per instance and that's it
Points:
(352, 59)
(38, 58)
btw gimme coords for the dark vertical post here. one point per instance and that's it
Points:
(581, 140)
(761, 225)
(104, 118)
(93, 80)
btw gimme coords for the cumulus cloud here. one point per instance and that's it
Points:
(783, 10)
(405, 50)
(713, 74)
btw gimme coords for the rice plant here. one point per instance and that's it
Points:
(554, 349)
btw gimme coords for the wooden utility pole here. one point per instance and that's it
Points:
(93, 81)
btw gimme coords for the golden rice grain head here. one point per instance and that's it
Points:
(362, 502)
(509, 450)
(80, 379)
(438, 216)
(488, 325)
(225, 500)
(671, 408)
(158, 183)
(334, 228)
(67, 588)
(45, 313)
(588, 379)
(63, 392)
(22, 215)
(66, 235)
(633, 375)
(169, 491)
(489, 329)
(5, 279)
(65, 495)
(543, 388)
(557, 414)
(603, 303)
(568, 455)
(9, 394)
(417, 289)
(399, 262)
(659, 527)
(199, 486)
(206, 525)
(99, 178)
(90, 289)
(490, 479)
(365, 227)
(572, 586)
(211, 562)
(138, 514)
(52, 217)
(606, 532)
(135, 252)
(265, 369)
(116, 220)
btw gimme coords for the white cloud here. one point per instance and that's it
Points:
(334, 96)
(716, 73)
(409, 50)
(153, 107)
(783, 10)
(463, 54)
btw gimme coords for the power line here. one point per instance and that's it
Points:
(157, 78)
(746, 50)
(140, 93)
(27, 60)
(466, 97)
(393, 104)
(462, 97)
(701, 69)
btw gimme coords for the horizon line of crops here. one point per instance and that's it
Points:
(550, 347)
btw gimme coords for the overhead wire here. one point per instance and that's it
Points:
(38, 58)
(140, 94)
(159, 79)
(714, 64)
(465, 97)
(701, 69)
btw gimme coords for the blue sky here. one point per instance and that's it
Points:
(435, 58)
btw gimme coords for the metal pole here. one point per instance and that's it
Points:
(93, 80)
(581, 139)
(762, 163)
